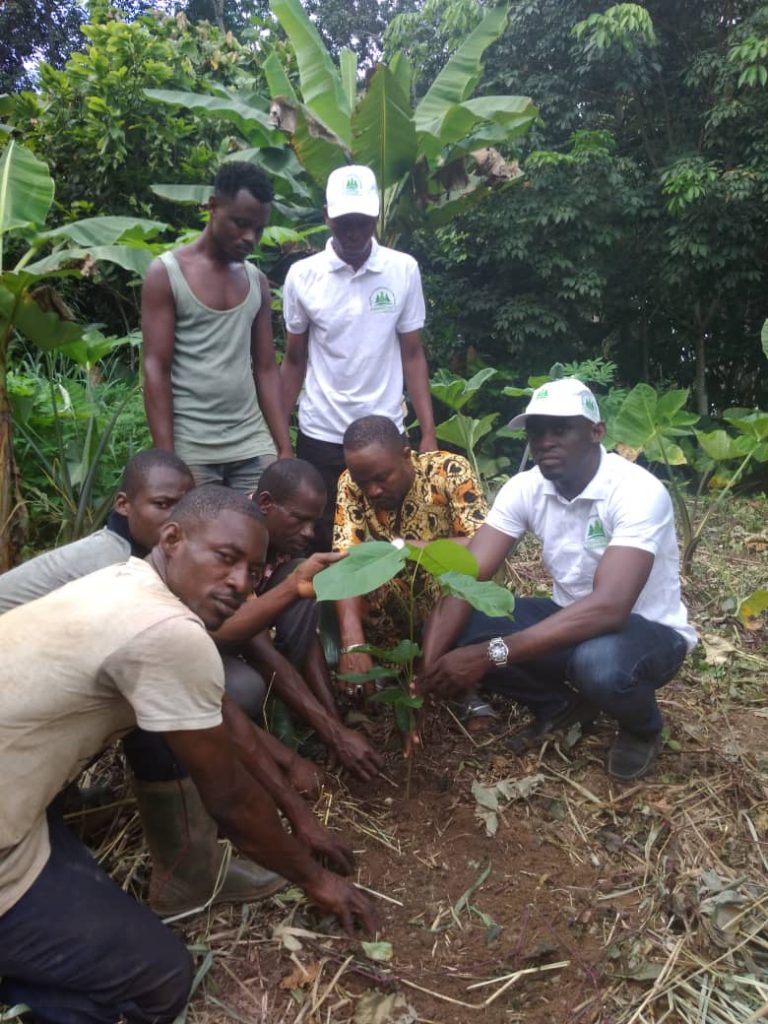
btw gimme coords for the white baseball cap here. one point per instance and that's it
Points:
(352, 189)
(566, 397)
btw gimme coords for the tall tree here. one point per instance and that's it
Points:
(657, 256)
(32, 31)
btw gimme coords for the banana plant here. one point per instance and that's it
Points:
(29, 307)
(459, 429)
(430, 160)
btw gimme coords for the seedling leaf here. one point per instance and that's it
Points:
(486, 596)
(441, 556)
(405, 651)
(366, 567)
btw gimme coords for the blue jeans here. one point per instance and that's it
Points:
(78, 950)
(618, 673)
(242, 476)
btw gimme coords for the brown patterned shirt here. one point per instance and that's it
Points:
(444, 500)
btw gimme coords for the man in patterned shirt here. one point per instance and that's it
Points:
(388, 491)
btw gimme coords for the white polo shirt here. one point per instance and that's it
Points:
(623, 505)
(354, 317)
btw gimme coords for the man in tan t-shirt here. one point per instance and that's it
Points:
(128, 645)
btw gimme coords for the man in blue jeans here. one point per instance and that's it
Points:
(616, 629)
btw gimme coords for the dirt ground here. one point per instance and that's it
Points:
(583, 891)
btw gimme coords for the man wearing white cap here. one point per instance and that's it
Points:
(353, 316)
(616, 629)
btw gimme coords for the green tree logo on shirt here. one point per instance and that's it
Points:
(382, 300)
(596, 536)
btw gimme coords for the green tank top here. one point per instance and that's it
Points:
(216, 414)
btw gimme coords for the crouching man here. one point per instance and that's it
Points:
(616, 629)
(82, 666)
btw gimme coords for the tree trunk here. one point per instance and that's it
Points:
(700, 380)
(12, 520)
(6, 472)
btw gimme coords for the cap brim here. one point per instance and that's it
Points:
(518, 423)
(362, 208)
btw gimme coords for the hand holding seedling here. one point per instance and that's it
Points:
(355, 663)
(304, 573)
(454, 673)
(332, 893)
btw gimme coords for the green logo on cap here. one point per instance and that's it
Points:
(589, 404)
(353, 186)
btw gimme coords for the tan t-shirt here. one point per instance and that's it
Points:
(79, 668)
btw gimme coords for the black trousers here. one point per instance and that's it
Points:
(78, 950)
(328, 459)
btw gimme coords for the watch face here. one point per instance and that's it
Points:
(498, 652)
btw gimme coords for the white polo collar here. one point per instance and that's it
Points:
(374, 264)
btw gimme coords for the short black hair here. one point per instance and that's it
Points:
(373, 430)
(284, 477)
(138, 467)
(209, 501)
(236, 174)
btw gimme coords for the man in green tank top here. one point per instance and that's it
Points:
(211, 385)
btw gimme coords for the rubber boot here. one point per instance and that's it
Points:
(188, 869)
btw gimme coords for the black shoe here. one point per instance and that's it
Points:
(575, 711)
(632, 756)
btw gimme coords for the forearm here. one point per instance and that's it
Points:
(292, 372)
(158, 404)
(255, 750)
(290, 686)
(350, 615)
(416, 376)
(258, 614)
(247, 815)
(443, 626)
(269, 392)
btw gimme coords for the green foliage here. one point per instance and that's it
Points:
(118, 142)
(31, 309)
(74, 434)
(751, 57)
(455, 391)
(658, 426)
(423, 156)
(429, 35)
(626, 26)
(640, 228)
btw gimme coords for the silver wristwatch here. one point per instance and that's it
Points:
(498, 652)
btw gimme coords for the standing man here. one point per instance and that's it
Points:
(353, 317)
(73, 946)
(616, 629)
(212, 386)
